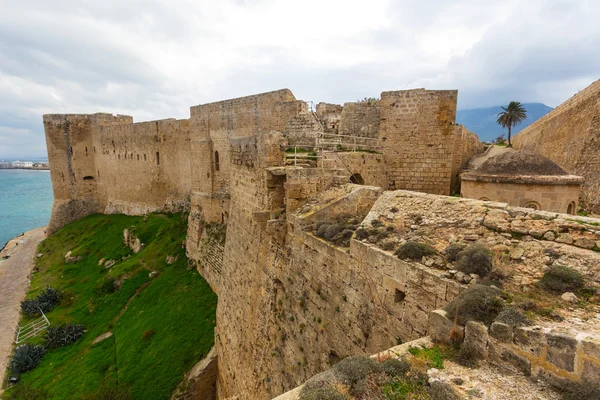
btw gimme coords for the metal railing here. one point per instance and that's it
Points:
(32, 329)
(347, 142)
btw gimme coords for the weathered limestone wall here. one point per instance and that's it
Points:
(544, 195)
(417, 134)
(569, 135)
(72, 153)
(306, 303)
(330, 115)
(360, 119)
(144, 166)
(466, 146)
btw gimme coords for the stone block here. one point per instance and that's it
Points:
(415, 317)
(565, 238)
(590, 372)
(585, 243)
(561, 351)
(520, 362)
(440, 328)
(434, 284)
(591, 347)
(530, 339)
(476, 338)
(502, 332)
(414, 275)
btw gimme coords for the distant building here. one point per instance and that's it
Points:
(22, 164)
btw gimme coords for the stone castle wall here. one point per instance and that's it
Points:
(417, 135)
(569, 135)
(466, 146)
(360, 119)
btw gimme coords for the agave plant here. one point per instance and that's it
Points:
(64, 335)
(45, 302)
(26, 357)
(30, 308)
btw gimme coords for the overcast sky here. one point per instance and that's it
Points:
(154, 59)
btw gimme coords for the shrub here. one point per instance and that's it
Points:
(393, 367)
(474, 259)
(511, 316)
(322, 393)
(26, 357)
(352, 369)
(452, 251)
(478, 303)
(362, 234)
(414, 251)
(64, 335)
(560, 279)
(108, 286)
(45, 301)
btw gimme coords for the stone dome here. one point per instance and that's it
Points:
(519, 163)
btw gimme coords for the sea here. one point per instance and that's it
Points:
(25, 201)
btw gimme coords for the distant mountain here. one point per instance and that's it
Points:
(482, 121)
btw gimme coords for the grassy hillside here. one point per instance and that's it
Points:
(161, 326)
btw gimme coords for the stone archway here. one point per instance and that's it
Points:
(357, 179)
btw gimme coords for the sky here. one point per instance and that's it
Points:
(155, 59)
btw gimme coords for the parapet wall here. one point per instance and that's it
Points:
(569, 135)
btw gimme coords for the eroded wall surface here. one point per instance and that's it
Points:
(417, 135)
(569, 135)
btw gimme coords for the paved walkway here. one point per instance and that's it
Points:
(491, 152)
(14, 284)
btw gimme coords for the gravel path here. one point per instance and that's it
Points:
(14, 284)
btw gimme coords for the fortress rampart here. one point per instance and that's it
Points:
(290, 303)
(569, 135)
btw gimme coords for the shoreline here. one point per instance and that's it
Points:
(30, 169)
(14, 284)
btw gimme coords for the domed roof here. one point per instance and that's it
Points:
(513, 163)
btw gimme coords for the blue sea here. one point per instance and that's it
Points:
(25, 201)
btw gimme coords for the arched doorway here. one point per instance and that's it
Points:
(357, 179)
(571, 208)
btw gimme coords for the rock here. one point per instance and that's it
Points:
(598, 244)
(502, 332)
(460, 276)
(153, 274)
(68, 254)
(452, 271)
(467, 278)
(569, 297)
(72, 259)
(549, 236)
(171, 259)
(565, 238)
(476, 339)
(102, 337)
(39, 255)
(101, 261)
(458, 381)
(585, 243)
(472, 238)
(536, 234)
(109, 263)
(516, 253)
(132, 241)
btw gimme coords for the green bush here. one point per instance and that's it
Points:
(322, 393)
(352, 369)
(63, 335)
(393, 367)
(477, 303)
(511, 316)
(452, 251)
(560, 279)
(414, 251)
(26, 357)
(474, 259)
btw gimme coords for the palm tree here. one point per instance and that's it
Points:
(512, 115)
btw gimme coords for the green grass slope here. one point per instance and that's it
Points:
(161, 326)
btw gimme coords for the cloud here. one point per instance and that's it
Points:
(153, 59)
